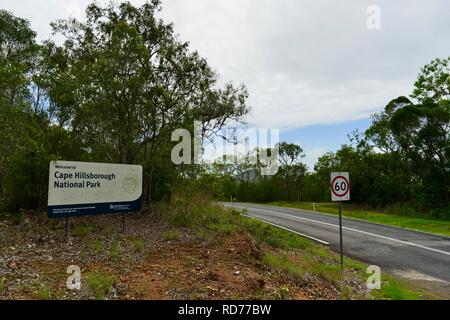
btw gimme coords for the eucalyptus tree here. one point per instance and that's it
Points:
(291, 169)
(123, 81)
(416, 130)
(18, 50)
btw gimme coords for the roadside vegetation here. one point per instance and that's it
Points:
(180, 249)
(399, 166)
(390, 216)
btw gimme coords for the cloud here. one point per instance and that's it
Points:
(314, 62)
(312, 154)
(305, 62)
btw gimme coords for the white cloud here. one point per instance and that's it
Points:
(312, 154)
(305, 62)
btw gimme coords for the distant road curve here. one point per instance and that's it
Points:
(411, 254)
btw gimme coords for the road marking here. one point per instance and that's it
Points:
(355, 230)
(290, 230)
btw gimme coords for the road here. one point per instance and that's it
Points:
(415, 255)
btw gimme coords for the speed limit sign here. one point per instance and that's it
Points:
(340, 186)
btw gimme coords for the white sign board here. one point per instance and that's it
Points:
(87, 188)
(340, 186)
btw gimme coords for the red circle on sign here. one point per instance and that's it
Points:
(346, 191)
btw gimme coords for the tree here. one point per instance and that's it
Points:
(433, 82)
(123, 82)
(17, 52)
(415, 133)
(291, 169)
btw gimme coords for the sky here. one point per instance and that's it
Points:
(313, 68)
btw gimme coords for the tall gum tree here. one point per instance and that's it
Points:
(123, 81)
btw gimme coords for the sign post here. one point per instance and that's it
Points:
(87, 188)
(340, 191)
(340, 236)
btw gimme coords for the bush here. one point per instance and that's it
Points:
(100, 284)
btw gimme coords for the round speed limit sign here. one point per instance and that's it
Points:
(340, 186)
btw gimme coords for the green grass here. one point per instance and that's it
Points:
(441, 227)
(100, 284)
(2, 284)
(98, 246)
(392, 289)
(310, 257)
(138, 245)
(115, 251)
(43, 293)
(81, 230)
(283, 264)
(273, 236)
(171, 235)
(322, 262)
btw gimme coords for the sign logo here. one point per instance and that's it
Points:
(130, 183)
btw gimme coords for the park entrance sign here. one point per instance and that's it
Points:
(87, 188)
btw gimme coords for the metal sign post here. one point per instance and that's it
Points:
(340, 191)
(340, 236)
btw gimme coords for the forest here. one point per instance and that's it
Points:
(121, 82)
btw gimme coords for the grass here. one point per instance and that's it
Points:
(115, 251)
(441, 227)
(171, 235)
(43, 293)
(284, 264)
(100, 284)
(138, 245)
(320, 261)
(291, 254)
(98, 246)
(275, 237)
(2, 284)
(279, 250)
(81, 230)
(393, 289)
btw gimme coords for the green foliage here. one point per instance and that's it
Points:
(112, 92)
(394, 290)
(138, 245)
(43, 293)
(100, 284)
(283, 264)
(115, 250)
(98, 246)
(2, 283)
(81, 230)
(171, 235)
(122, 82)
(401, 161)
(403, 216)
(275, 237)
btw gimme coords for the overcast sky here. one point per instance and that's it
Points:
(305, 62)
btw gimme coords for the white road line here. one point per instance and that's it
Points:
(355, 230)
(290, 230)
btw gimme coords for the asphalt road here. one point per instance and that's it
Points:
(411, 254)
